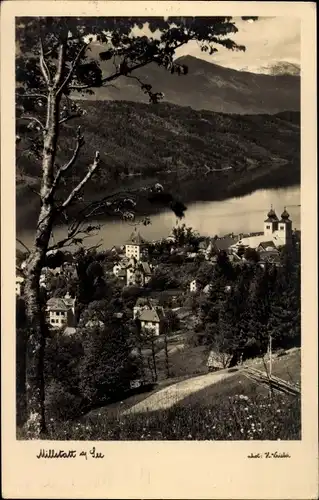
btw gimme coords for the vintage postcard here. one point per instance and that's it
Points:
(159, 250)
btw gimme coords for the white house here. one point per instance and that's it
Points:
(144, 303)
(135, 246)
(152, 320)
(61, 311)
(19, 284)
(193, 286)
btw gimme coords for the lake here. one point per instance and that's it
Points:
(243, 214)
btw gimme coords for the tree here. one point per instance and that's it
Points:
(251, 255)
(53, 60)
(108, 365)
(184, 235)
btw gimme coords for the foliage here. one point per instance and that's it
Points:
(184, 235)
(63, 399)
(238, 417)
(107, 366)
(260, 302)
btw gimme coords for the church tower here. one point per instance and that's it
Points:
(284, 232)
(270, 224)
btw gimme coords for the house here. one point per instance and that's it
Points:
(193, 286)
(138, 273)
(19, 284)
(207, 288)
(266, 246)
(269, 257)
(144, 303)
(61, 311)
(135, 246)
(152, 320)
(276, 232)
(94, 323)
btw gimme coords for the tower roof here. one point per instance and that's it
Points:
(285, 215)
(135, 239)
(271, 216)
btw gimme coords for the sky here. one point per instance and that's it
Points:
(268, 40)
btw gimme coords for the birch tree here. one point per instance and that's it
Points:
(52, 63)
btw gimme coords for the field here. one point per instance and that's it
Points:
(229, 407)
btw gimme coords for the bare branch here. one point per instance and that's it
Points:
(81, 184)
(74, 232)
(31, 96)
(32, 119)
(43, 65)
(73, 65)
(70, 117)
(70, 163)
(23, 245)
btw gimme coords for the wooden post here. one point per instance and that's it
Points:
(270, 356)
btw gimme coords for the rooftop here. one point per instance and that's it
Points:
(224, 243)
(135, 239)
(149, 315)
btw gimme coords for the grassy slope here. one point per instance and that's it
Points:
(136, 138)
(232, 409)
(192, 361)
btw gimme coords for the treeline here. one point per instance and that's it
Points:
(243, 309)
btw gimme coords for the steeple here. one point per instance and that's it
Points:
(271, 223)
(271, 216)
(285, 215)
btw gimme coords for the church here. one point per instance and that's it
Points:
(277, 233)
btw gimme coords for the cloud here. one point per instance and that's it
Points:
(268, 40)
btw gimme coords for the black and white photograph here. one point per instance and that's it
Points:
(159, 225)
(158, 233)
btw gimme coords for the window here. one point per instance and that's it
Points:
(282, 226)
(57, 313)
(268, 226)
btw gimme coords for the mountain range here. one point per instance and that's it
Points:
(208, 86)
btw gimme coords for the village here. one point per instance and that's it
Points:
(135, 264)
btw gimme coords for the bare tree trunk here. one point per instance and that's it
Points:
(35, 424)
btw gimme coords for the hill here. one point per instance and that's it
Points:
(200, 154)
(207, 86)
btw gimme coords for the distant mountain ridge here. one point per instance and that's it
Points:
(207, 86)
(276, 68)
(199, 155)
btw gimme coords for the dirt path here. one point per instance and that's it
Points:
(169, 396)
